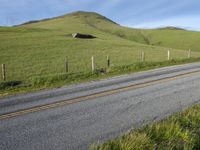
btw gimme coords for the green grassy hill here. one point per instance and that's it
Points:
(40, 47)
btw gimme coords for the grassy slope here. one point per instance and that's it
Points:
(178, 132)
(38, 49)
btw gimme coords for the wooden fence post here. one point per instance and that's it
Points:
(189, 53)
(66, 65)
(93, 67)
(168, 55)
(4, 72)
(143, 56)
(108, 61)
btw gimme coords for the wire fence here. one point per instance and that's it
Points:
(25, 70)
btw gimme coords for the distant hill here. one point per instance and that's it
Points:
(171, 28)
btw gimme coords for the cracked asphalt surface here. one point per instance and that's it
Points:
(78, 125)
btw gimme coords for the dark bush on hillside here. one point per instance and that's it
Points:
(9, 84)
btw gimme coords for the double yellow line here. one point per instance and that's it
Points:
(93, 96)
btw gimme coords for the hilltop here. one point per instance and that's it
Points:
(171, 28)
(77, 14)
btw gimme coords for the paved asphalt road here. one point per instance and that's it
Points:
(73, 117)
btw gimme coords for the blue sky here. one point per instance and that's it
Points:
(133, 13)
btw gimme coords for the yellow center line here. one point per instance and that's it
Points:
(93, 96)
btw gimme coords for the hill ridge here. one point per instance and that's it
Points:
(74, 13)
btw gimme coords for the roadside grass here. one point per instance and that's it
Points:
(35, 83)
(178, 132)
